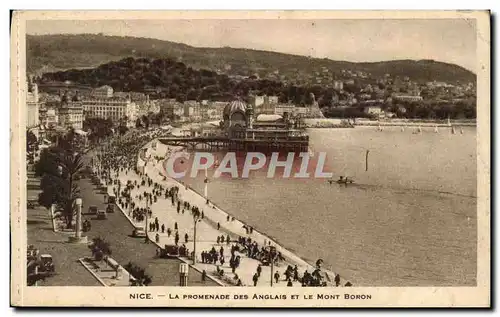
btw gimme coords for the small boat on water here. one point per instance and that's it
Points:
(341, 180)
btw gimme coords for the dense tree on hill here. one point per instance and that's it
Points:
(166, 78)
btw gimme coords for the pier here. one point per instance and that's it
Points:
(220, 143)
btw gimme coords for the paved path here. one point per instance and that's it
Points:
(207, 231)
(117, 231)
(69, 271)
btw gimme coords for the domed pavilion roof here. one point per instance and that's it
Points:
(232, 107)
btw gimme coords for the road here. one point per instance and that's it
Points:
(117, 231)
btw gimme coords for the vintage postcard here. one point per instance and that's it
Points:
(250, 159)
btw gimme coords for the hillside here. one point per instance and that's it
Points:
(48, 53)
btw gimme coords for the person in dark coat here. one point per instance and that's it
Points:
(176, 238)
(255, 279)
(277, 277)
(337, 280)
(289, 283)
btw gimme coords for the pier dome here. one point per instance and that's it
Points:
(236, 106)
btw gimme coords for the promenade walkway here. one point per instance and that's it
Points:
(207, 228)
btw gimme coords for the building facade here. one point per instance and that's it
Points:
(71, 116)
(33, 106)
(102, 92)
(113, 108)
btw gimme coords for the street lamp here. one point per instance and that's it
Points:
(196, 219)
(146, 225)
(272, 255)
(183, 273)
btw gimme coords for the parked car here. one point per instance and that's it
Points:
(110, 208)
(101, 214)
(47, 264)
(139, 232)
(92, 210)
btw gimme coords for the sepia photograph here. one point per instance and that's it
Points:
(256, 159)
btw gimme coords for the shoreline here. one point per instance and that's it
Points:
(289, 256)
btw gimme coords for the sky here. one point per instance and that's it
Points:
(445, 40)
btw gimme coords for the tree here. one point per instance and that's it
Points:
(59, 168)
(138, 123)
(31, 145)
(100, 248)
(141, 278)
(145, 121)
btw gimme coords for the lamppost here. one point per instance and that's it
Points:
(196, 219)
(272, 255)
(146, 225)
(183, 274)
(206, 185)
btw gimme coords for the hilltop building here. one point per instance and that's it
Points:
(102, 92)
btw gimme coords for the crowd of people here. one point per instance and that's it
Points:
(120, 156)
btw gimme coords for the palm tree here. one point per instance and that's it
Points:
(71, 164)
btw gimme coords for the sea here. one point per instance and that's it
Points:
(409, 219)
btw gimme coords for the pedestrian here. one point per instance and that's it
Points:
(295, 273)
(169, 232)
(228, 240)
(289, 283)
(227, 218)
(222, 239)
(222, 261)
(186, 237)
(218, 225)
(221, 251)
(176, 238)
(175, 226)
(277, 277)
(337, 280)
(255, 279)
(157, 238)
(259, 270)
(163, 228)
(203, 276)
(218, 239)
